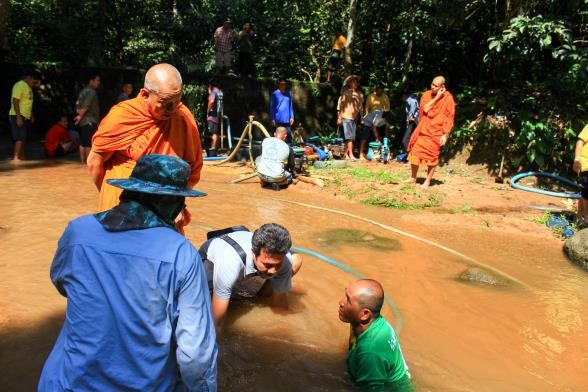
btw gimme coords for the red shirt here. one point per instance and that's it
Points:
(56, 134)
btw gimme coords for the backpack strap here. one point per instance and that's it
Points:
(225, 237)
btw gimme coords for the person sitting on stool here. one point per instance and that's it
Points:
(275, 165)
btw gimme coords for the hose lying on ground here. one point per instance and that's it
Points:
(567, 181)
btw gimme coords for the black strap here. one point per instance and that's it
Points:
(204, 250)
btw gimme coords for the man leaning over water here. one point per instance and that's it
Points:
(375, 361)
(138, 312)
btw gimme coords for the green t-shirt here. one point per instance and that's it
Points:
(584, 156)
(375, 361)
(24, 93)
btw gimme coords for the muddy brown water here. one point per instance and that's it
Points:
(532, 335)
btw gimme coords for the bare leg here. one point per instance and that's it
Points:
(362, 149)
(583, 211)
(18, 150)
(84, 152)
(213, 140)
(328, 75)
(414, 169)
(430, 173)
(349, 150)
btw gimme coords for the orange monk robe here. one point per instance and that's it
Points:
(425, 145)
(130, 132)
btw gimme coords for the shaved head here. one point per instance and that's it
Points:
(162, 91)
(440, 80)
(163, 78)
(369, 294)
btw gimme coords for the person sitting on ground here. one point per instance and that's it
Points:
(263, 256)
(214, 114)
(349, 109)
(376, 107)
(138, 314)
(58, 140)
(375, 361)
(127, 91)
(275, 165)
(581, 167)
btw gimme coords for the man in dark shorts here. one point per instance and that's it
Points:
(88, 115)
(214, 114)
(21, 111)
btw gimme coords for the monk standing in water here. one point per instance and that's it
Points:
(436, 114)
(155, 122)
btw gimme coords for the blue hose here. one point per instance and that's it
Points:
(217, 158)
(567, 181)
(389, 302)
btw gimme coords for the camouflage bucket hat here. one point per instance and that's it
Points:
(158, 175)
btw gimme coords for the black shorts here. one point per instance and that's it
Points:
(19, 134)
(59, 151)
(213, 128)
(86, 133)
(334, 60)
(584, 192)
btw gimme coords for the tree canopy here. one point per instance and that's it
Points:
(526, 58)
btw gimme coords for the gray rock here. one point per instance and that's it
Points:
(576, 247)
(478, 275)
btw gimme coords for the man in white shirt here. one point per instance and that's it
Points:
(262, 257)
(275, 165)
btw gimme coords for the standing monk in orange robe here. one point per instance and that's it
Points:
(436, 115)
(155, 122)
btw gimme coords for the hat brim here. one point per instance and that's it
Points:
(137, 185)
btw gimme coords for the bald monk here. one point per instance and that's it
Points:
(436, 114)
(155, 122)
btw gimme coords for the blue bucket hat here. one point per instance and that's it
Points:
(158, 175)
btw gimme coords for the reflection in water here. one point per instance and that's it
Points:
(336, 238)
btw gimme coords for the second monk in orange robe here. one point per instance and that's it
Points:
(436, 114)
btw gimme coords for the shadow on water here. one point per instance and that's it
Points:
(249, 360)
(336, 238)
(23, 352)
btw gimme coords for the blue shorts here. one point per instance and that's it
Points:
(349, 127)
(19, 134)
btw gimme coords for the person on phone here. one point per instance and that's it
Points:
(436, 113)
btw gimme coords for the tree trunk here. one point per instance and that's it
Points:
(350, 30)
(95, 54)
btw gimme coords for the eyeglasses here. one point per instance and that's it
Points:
(168, 104)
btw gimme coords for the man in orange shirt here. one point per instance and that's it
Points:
(155, 122)
(58, 141)
(436, 114)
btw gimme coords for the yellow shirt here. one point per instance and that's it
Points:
(374, 103)
(339, 42)
(24, 93)
(584, 156)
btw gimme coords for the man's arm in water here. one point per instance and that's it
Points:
(219, 311)
(95, 164)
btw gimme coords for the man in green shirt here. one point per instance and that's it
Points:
(375, 361)
(21, 111)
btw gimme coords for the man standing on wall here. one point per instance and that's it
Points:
(223, 44)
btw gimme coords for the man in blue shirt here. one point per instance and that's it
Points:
(138, 314)
(412, 117)
(282, 108)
